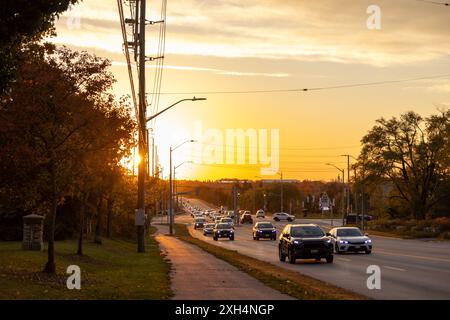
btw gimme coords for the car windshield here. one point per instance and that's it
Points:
(222, 226)
(209, 225)
(227, 220)
(199, 220)
(264, 225)
(306, 231)
(349, 233)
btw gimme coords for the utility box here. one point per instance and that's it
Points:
(33, 231)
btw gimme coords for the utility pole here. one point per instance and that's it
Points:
(348, 182)
(140, 212)
(281, 193)
(170, 196)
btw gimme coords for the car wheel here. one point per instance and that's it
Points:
(281, 255)
(291, 258)
(274, 238)
(232, 238)
(204, 234)
(254, 238)
(276, 219)
(215, 238)
(330, 259)
(289, 219)
(368, 251)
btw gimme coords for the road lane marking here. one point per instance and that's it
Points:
(394, 268)
(344, 259)
(412, 256)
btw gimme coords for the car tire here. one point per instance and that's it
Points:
(290, 257)
(274, 238)
(254, 238)
(232, 238)
(289, 219)
(330, 259)
(276, 219)
(368, 251)
(215, 238)
(281, 255)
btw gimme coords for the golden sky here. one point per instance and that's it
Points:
(233, 45)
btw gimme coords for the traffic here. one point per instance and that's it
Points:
(295, 241)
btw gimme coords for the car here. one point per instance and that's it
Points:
(366, 217)
(199, 223)
(264, 229)
(223, 230)
(208, 229)
(347, 239)
(283, 216)
(260, 213)
(246, 218)
(217, 219)
(227, 220)
(230, 213)
(305, 241)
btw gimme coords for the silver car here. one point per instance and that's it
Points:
(347, 239)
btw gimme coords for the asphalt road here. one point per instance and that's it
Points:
(198, 275)
(410, 269)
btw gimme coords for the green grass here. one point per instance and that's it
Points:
(113, 270)
(286, 281)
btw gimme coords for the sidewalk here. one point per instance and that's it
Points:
(197, 275)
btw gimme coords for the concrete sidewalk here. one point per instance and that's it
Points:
(198, 275)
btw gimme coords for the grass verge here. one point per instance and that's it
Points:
(113, 270)
(289, 282)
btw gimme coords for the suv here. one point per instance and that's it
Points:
(223, 230)
(227, 220)
(264, 229)
(305, 241)
(350, 239)
(260, 214)
(246, 218)
(280, 216)
(199, 222)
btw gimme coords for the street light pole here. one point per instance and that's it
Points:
(171, 216)
(343, 187)
(281, 193)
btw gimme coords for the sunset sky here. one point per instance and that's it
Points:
(233, 45)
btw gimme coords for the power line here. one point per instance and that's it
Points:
(343, 86)
(435, 2)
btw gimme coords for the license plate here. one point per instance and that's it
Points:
(314, 251)
(357, 247)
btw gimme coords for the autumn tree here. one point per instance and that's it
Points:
(58, 114)
(412, 153)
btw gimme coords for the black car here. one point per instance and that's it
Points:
(265, 230)
(246, 218)
(199, 223)
(208, 229)
(223, 230)
(305, 241)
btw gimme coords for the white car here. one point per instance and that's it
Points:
(227, 220)
(260, 213)
(283, 216)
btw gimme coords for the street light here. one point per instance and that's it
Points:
(171, 180)
(281, 195)
(343, 184)
(175, 180)
(164, 110)
(140, 211)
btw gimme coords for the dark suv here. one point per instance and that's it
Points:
(223, 230)
(305, 241)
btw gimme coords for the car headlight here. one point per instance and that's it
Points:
(296, 242)
(368, 241)
(273, 230)
(328, 241)
(343, 241)
(231, 231)
(258, 231)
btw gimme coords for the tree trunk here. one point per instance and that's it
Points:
(82, 215)
(98, 226)
(109, 205)
(50, 267)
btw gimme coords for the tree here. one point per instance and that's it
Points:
(412, 153)
(59, 115)
(22, 22)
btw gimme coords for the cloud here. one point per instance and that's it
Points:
(212, 70)
(326, 30)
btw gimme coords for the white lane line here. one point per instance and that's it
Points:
(394, 268)
(344, 259)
